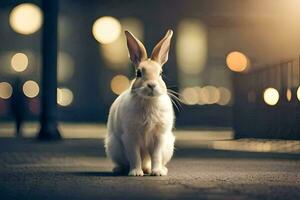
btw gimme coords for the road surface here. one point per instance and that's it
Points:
(78, 169)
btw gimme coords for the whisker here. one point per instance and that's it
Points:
(176, 101)
(175, 105)
(174, 92)
(175, 97)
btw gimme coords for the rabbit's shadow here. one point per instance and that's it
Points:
(100, 174)
(96, 174)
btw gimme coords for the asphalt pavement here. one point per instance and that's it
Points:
(78, 169)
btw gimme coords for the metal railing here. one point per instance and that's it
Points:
(261, 115)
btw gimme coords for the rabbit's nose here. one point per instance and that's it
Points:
(151, 85)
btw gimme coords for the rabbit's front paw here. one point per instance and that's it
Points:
(147, 170)
(136, 172)
(159, 171)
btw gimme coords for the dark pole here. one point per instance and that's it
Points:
(48, 120)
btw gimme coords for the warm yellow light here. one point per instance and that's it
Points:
(225, 96)
(271, 96)
(289, 94)
(119, 84)
(26, 18)
(115, 54)
(5, 90)
(210, 94)
(31, 89)
(190, 96)
(106, 29)
(65, 69)
(191, 48)
(298, 93)
(201, 100)
(19, 62)
(64, 96)
(237, 61)
(134, 25)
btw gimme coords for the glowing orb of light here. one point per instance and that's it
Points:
(106, 29)
(64, 96)
(271, 96)
(237, 61)
(19, 62)
(191, 46)
(31, 89)
(5, 90)
(190, 95)
(298, 93)
(65, 66)
(289, 94)
(26, 18)
(225, 96)
(210, 94)
(119, 84)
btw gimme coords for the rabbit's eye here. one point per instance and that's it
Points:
(138, 73)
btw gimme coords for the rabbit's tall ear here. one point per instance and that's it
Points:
(161, 50)
(137, 51)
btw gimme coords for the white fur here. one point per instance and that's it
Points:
(140, 137)
(140, 122)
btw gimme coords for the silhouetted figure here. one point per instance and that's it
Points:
(18, 105)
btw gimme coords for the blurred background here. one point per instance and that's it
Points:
(235, 64)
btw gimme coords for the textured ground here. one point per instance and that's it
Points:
(78, 169)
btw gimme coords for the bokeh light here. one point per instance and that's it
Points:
(237, 61)
(64, 96)
(289, 94)
(31, 89)
(65, 69)
(115, 54)
(6, 90)
(19, 62)
(191, 48)
(106, 29)
(190, 95)
(206, 95)
(201, 97)
(134, 25)
(225, 96)
(119, 84)
(26, 18)
(210, 94)
(271, 96)
(298, 93)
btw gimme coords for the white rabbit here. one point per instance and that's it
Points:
(140, 122)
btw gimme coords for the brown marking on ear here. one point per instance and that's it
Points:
(160, 52)
(136, 49)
